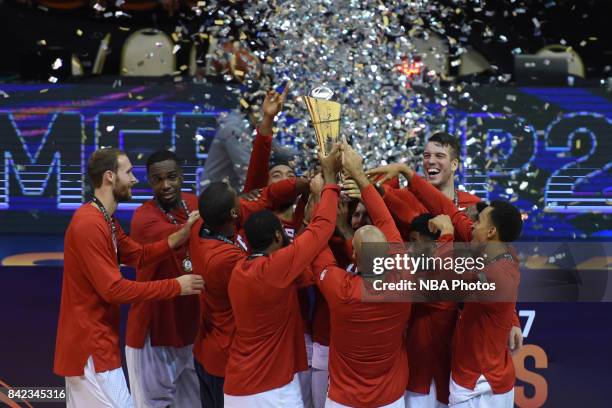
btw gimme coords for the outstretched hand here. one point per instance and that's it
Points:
(383, 174)
(273, 103)
(331, 164)
(351, 160)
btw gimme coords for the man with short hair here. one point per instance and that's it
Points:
(430, 332)
(87, 347)
(435, 194)
(215, 254)
(268, 348)
(482, 372)
(216, 248)
(160, 334)
(367, 354)
(440, 163)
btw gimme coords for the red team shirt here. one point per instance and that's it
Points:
(93, 288)
(437, 203)
(343, 252)
(480, 345)
(257, 172)
(432, 324)
(368, 366)
(214, 261)
(429, 344)
(268, 348)
(173, 322)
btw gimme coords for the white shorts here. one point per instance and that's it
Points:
(287, 396)
(320, 356)
(396, 404)
(162, 376)
(416, 400)
(308, 344)
(480, 397)
(93, 390)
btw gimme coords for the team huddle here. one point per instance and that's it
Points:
(255, 298)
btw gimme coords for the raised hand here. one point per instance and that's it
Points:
(331, 164)
(273, 103)
(351, 160)
(353, 165)
(383, 174)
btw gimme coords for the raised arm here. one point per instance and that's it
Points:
(288, 263)
(136, 255)
(102, 271)
(274, 196)
(257, 173)
(147, 228)
(437, 203)
(377, 210)
(403, 205)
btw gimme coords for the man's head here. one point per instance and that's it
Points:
(419, 230)
(497, 222)
(111, 168)
(165, 177)
(264, 232)
(441, 159)
(219, 206)
(360, 217)
(280, 167)
(280, 171)
(364, 254)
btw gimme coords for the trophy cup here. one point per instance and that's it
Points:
(325, 117)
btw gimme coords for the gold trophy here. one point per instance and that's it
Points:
(325, 117)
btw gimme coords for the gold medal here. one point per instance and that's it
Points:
(187, 267)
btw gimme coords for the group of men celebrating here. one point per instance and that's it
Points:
(256, 298)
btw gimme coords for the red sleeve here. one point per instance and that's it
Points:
(136, 255)
(323, 260)
(103, 272)
(403, 206)
(146, 228)
(437, 203)
(272, 197)
(516, 322)
(257, 173)
(336, 285)
(379, 214)
(286, 264)
(393, 183)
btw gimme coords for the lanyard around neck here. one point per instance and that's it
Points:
(110, 221)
